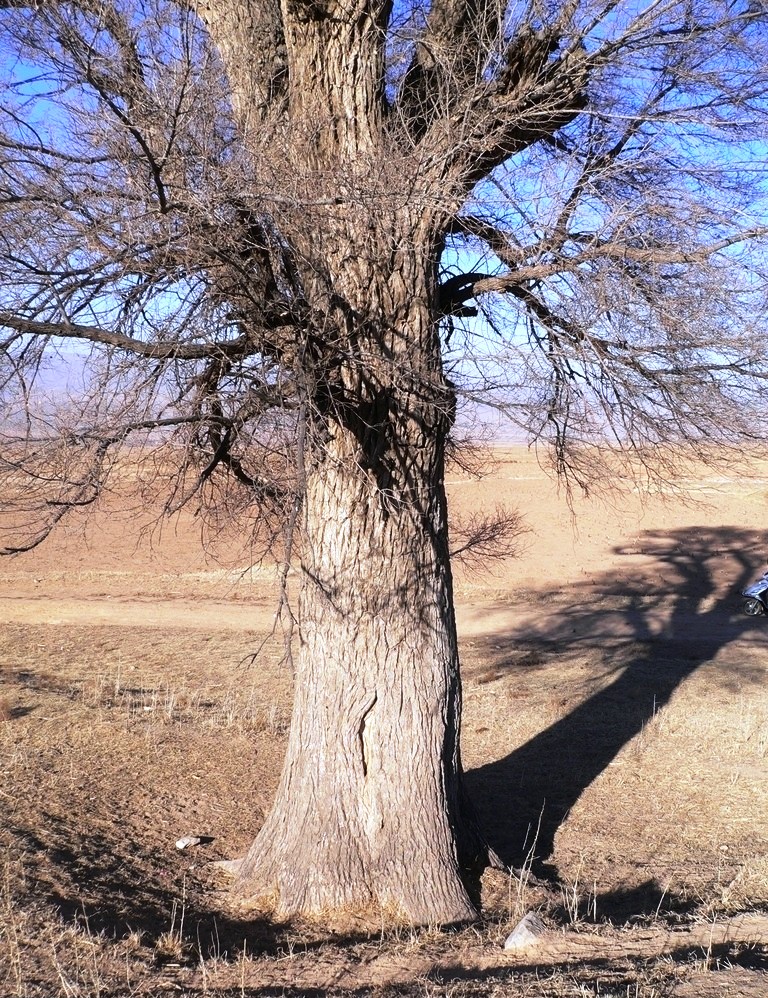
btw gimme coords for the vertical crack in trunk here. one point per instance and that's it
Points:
(364, 734)
(370, 809)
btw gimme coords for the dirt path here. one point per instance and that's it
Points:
(593, 620)
(117, 612)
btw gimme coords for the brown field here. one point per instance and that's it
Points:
(615, 703)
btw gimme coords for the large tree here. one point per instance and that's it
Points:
(259, 233)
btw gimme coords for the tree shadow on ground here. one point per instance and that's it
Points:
(118, 886)
(616, 976)
(673, 618)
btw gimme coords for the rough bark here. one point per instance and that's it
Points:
(249, 38)
(369, 802)
(370, 806)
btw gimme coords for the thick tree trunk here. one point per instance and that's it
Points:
(370, 805)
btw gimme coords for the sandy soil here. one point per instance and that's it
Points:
(615, 702)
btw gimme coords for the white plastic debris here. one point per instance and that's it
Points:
(188, 840)
(527, 932)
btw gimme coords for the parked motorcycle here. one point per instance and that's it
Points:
(756, 597)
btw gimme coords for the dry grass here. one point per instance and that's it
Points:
(618, 728)
(125, 740)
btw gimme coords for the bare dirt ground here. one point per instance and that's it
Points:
(616, 713)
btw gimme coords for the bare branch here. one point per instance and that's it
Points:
(94, 334)
(487, 537)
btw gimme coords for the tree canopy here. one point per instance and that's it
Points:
(588, 176)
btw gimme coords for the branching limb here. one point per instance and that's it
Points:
(141, 348)
(487, 537)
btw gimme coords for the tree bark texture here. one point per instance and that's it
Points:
(370, 806)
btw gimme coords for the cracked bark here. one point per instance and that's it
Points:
(370, 805)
